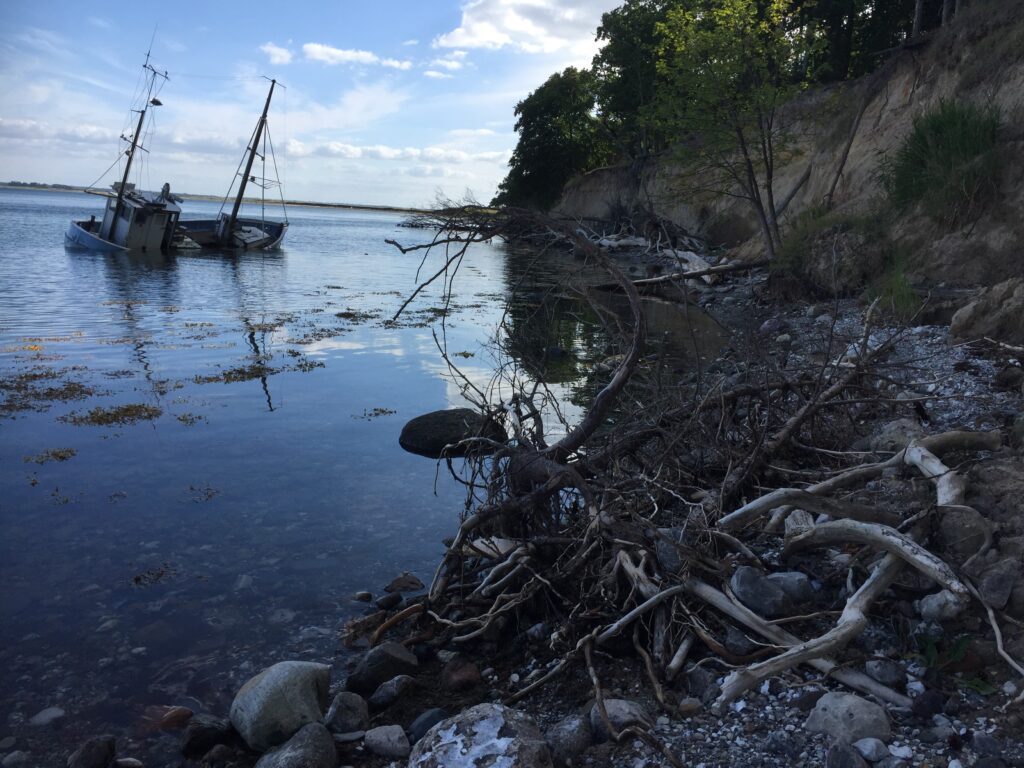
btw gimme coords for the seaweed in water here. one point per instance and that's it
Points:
(52, 454)
(116, 416)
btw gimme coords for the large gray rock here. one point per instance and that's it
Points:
(622, 713)
(348, 712)
(97, 752)
(311, 747)
(270, 708)
(998, 313)
(481, 737)
(387, 741)
(427, 435)
(379, 665)
(759, 594)
(848, 718)
(569, 738)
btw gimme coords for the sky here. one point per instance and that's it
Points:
(385, 102)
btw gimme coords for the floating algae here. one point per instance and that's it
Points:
(52, 454)
(116, 416)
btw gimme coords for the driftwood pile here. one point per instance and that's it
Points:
(624, 538)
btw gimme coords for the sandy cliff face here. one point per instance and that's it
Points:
(978, 59)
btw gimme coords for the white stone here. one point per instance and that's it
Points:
(47, 716)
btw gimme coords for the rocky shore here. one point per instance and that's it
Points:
(421, 705)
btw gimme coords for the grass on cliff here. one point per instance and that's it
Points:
(948, 164)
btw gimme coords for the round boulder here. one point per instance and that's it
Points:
(848, 718)
(428, 435)
(270, 708)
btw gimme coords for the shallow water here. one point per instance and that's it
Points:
(166, 560)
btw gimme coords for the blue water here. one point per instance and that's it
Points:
(167, 560)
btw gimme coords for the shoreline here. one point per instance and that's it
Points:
(215, 199)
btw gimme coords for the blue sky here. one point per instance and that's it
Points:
(386, 102)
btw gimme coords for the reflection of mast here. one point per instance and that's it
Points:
(251, 336)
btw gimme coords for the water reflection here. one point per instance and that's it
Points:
(257, 502)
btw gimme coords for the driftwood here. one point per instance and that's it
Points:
(616, 535)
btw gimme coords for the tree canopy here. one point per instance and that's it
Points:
(670, 68)
(559, 137)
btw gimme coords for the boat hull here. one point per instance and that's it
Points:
(249, 234)
(79, 235)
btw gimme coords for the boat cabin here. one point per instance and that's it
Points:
(145, 221)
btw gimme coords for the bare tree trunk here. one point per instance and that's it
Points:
(918, 19)
(947, 11)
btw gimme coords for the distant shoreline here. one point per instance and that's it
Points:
(212, 198)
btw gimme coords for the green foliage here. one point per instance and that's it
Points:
(896, 295)
(795, 253)
(626, 69)
(728, 66)
(850, 34)
(559, 138)
(948, 163)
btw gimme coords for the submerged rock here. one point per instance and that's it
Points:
(280, 700)
(429, 434)
(203, 733)
(97, 752)
(482, 736)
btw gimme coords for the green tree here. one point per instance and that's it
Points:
(559, 137)
(626, 69)
(729, 66)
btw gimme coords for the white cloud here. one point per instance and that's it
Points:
(396, 64)
(330, 55)
(437, 75)
(410, 42)
(434, 154)
(468, 132)
(530, 26)
(276, 53)
(99, 23)
(448, 64)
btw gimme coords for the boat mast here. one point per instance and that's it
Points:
(150, 101)
(127, 169)
(248, 165)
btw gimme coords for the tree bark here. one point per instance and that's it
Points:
(918, 19)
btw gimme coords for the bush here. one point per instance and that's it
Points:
(948, 164)
(829, 254)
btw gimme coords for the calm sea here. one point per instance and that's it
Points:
(164, 561)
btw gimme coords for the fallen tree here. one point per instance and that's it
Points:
(608, 534)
